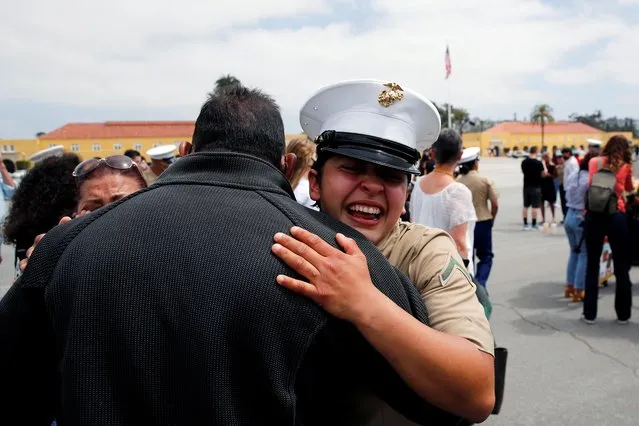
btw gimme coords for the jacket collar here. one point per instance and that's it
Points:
(229, 169)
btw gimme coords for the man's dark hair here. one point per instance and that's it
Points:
(566, 151)
(10, 165)
(132, 153)
(447, 146)
(244, 120)
(533, 150)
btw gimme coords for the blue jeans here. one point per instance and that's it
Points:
(614, 226)
(484, 250)
(574, 227)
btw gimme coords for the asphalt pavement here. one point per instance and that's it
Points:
(561, 371)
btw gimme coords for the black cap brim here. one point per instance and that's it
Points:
(371, 149)
(378, 157)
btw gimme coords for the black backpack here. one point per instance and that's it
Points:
(601, 196)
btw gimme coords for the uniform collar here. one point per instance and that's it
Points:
(226, 169)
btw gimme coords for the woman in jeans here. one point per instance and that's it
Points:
(616, 157)
(575, 191)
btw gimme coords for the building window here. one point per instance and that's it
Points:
(51, 145)
(117, 147)
(138, 147)
(155, 145)
(8, 148)
(75, 147)
(96, 147)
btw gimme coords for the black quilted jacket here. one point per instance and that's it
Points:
(162, 309)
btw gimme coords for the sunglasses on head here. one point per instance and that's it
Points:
(116, 162)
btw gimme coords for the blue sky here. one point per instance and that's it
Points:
(74, 61)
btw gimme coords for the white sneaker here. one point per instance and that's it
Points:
(623, 322)
(587, 321)
(527, 228)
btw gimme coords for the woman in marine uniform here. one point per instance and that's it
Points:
(366, 133)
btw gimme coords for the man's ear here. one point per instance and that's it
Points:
(185, 148)
(287, 165)
(314, 185)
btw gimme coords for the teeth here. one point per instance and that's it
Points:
(365, 209)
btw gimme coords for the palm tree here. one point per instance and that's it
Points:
(225, 82)
(542, 114)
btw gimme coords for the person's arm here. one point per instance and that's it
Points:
(629, 184)
(459, 236)
(592, 169)
(493, 197)
(446, 370)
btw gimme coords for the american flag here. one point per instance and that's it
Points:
(449, 67)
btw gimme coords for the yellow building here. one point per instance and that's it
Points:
(102, 139)
(517, 134)
(18, 149)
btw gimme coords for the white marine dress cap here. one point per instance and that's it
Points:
(469, 154)
(162, 152)
(376, 121)
(54, 151)
(594, 142)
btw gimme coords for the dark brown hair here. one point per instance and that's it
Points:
(617, 151)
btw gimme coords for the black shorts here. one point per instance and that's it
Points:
(532, 197)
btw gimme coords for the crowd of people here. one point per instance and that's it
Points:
(594, 188)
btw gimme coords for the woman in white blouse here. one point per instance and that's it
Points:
(440, 202)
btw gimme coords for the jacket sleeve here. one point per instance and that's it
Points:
(27, 358)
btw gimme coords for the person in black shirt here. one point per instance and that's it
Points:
(533, 170)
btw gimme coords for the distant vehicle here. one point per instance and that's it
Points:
(518, 154)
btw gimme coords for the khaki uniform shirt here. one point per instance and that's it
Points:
(483, 190)
(428, 256)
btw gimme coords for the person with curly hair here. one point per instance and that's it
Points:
(615, 157)
(46, 194)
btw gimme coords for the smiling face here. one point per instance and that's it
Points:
(365, 196)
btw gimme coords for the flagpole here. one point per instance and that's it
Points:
(450, 119)
(448, 73)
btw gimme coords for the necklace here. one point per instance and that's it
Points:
(444, 172)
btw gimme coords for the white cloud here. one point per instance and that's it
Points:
(148, 54)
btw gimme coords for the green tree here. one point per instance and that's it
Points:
(40, 134)
(542, 114)
(225, 82)
(460, 119)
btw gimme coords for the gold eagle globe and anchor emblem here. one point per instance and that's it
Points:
(389, 96)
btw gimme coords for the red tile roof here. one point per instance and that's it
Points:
(123, 129)
(558, 127)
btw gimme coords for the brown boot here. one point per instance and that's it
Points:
(570, 291)
(578, 295)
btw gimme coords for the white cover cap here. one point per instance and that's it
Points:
(374, 108)
(594, 142)
(162, 152)
(469, 154)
